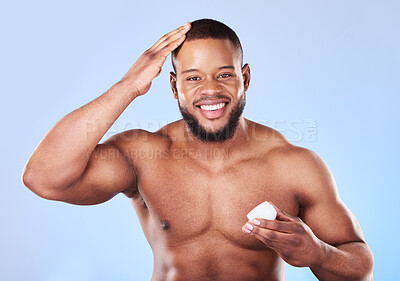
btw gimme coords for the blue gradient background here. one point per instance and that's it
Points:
(334, 62)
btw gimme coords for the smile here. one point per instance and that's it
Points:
(212, 107)
(213, 111)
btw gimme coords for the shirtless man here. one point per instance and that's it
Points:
(193, 181)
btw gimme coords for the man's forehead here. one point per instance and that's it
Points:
(207, 52)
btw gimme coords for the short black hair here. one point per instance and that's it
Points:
(209, 28)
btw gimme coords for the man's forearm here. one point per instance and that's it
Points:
(62, 155)
(349, 261)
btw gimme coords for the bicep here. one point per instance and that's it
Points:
(322, 209)
(332, 222)
(107, 173)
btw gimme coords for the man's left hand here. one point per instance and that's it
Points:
(289, 237)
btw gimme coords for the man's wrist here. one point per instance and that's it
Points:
(321, 254)
(128, 86)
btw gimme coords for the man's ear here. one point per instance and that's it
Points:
(172, 81)
(246, 76)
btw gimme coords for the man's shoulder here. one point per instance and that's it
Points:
(289, 157)
(270, 142)
(279, 149)
(135, 139)
(301, 161)
(305, 171)
(138, 139)
(295, 165)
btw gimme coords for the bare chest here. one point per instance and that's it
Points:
(184, 200)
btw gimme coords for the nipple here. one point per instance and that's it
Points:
(165, 225)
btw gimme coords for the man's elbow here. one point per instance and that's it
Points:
(32, 181)
(367, 264)
(370, 262)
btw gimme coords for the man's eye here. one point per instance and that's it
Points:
(225, 75)
(195, 78)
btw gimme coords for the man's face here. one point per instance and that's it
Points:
(210, 86)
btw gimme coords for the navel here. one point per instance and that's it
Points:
(165, 225)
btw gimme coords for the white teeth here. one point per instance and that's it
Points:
(212, 107)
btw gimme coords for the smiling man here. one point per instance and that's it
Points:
(193, 181)
(208, 57)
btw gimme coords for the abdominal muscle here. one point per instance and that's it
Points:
(211, 256)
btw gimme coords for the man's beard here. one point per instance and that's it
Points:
(223, 134)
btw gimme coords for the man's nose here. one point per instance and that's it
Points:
(210, 87)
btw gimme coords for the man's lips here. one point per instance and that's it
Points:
(212, 109)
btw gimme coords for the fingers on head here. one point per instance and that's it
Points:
(167, 49)
(170, 44)
(177, 33)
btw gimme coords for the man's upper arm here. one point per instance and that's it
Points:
(320, 206)
(107, 173)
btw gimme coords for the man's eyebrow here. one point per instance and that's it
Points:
(227, 66)
(195, 69)
(189, 70)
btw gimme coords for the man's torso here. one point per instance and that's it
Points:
(193, 203)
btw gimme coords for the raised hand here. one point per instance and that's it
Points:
(149, 65)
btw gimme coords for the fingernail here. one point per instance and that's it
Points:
(248, 226)
(246, 230)
(256, 222)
